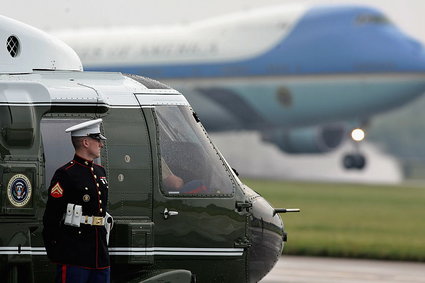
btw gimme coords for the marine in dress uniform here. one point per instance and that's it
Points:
(74, 232)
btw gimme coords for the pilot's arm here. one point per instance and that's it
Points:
(169, 180)
(173, 182)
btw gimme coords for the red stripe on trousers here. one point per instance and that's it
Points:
(64, 273)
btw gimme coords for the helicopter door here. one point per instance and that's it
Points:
(194, 204)
(128, 159)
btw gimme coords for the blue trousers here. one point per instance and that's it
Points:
(74, 274)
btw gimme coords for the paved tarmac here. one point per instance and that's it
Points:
(294, 269)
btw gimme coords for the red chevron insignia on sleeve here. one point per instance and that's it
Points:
(57, 191)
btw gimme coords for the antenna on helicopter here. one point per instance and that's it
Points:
(285, 210)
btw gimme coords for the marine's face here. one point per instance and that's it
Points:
(94, 147)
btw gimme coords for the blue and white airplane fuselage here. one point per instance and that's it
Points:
(294, 73)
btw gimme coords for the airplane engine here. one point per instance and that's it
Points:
(307, 140)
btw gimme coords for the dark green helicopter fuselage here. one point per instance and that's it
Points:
(214, 229)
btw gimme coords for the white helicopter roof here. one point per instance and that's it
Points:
(24, 49)
(39, 69)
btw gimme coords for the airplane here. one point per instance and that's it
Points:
(224, 233)
(303, 76)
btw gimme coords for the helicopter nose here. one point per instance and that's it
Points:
(267, 233)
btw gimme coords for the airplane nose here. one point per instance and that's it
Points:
(417, 47)
(267, 231)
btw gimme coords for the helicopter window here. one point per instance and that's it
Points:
(57, 146)
(190, 165)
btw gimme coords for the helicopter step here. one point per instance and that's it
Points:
(178, 276)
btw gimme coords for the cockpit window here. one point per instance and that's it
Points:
(190, 165)
(372, 19)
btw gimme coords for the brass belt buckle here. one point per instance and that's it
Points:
(97, 220)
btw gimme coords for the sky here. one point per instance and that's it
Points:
(61, 14)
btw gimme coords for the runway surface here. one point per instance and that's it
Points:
(295, 269)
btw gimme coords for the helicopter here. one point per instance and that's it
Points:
(220, 231)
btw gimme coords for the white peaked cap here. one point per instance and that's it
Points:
(87, 128)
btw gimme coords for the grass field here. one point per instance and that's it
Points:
(350, 220)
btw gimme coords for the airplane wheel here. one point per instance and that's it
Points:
(354, 161)
(360, 162)
(348, 161)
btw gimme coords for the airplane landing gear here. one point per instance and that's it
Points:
(354, 161)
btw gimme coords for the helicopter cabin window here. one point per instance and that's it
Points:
(190, 165)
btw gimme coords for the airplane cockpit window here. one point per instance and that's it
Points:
(372, 19)
(190, 165)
